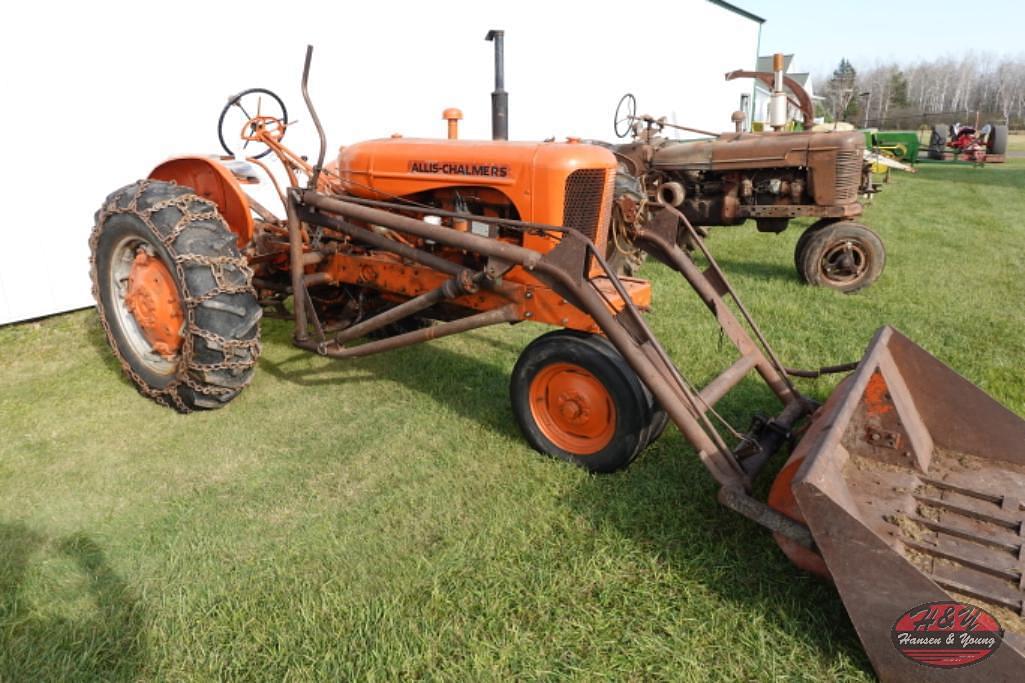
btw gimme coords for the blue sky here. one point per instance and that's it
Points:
(870, 31)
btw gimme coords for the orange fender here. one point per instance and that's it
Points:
(212, 180)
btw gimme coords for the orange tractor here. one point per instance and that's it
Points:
(904, 489)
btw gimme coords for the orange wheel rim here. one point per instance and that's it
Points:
(152, 299)
(572, 408)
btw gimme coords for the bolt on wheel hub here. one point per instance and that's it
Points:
(152, 299)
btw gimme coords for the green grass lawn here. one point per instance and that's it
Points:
(1016, 142)
(381, 518)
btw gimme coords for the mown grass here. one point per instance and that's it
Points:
(382, 519)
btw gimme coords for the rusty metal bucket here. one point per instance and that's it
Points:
(912, 481)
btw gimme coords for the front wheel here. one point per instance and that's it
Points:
(575, 398)
(845, 256)
(802, 242)
(174, 295)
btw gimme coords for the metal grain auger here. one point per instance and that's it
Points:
(907, 486)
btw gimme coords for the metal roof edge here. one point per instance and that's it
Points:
(737, 10)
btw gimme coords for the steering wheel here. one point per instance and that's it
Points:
(626, 112)
(251, 111)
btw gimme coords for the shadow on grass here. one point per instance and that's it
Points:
(98, 340)
(107, 645)
(472, 388)
(666, 504)
(764, 270)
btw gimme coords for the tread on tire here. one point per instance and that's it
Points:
(221, 336)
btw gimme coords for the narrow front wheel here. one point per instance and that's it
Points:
(575, 398)
(846, 256)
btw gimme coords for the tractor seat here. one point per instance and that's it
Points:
(244, 171)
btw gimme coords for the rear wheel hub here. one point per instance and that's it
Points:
(153, 301)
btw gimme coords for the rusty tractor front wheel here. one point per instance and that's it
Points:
(575, 398)
(802, 242)
(174, 295)
(844, 255)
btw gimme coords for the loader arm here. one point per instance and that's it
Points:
(568, 270)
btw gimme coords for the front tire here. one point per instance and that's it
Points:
(802, 243)
(576, 399)
(174, 295)
(845, 256)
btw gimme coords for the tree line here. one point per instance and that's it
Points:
(944, 90)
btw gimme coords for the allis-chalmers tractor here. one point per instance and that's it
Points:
(770, 177)
(904, 488)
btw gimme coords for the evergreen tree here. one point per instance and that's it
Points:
(841, 89)
(898, 89)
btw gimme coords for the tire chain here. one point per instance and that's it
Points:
(240, 355)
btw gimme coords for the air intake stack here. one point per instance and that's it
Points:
(778, 99)
(499, 98)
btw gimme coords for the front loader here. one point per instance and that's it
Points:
(905, 488)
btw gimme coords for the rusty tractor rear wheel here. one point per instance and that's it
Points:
(997, 141)
(845, 256)
(575, 398)
(938, 141)
(174, 295)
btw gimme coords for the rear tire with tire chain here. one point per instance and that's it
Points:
(220, 340)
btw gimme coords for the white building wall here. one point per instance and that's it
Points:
(97, 93)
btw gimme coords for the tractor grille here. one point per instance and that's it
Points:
(848, 175)
(585, 206)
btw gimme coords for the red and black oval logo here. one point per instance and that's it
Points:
(947, 634)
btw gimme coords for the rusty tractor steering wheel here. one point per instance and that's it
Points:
(259, 113)
(626, 113)
(260, 128)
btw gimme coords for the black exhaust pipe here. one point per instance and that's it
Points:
(499, 98)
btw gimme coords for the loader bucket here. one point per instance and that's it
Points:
(912, 482)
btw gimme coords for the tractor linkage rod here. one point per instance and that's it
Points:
(505, 314)
(451, 289)
(424, 208)
(315, 175)
(371, 238)
(528, 258)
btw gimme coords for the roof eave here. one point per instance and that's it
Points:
(737, 10)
